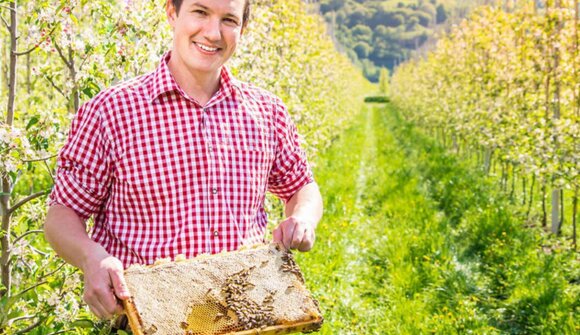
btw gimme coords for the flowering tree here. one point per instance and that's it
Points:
(504, 85)
(56, 54)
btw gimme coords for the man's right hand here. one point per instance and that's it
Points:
(104, 281)
(104, 285)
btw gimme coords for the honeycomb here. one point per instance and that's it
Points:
(253, 291)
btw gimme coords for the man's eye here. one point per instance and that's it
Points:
(199, 12)
(231, 21)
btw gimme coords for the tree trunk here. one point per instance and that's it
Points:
(574, 213)
(544, 210)
(73, 77)
(487, 160)
(556, 193)
(503, 177)
(556, 211)
(12, 67)
(562, 203)
(5, 263)
(524, 180)
(531, 201)
(576, 93)
(28, 70)
(513, 182)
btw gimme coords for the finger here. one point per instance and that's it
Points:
(94, 305)
(97, 310)
(298, 236)
(277, 235)
(119, 285)
(288, 234)
(307, 241)
(108, 301)
(119, 309)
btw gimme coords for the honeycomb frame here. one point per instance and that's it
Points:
(259, 290)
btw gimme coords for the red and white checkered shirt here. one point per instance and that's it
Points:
(164, 176)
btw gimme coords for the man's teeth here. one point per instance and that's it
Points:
(206, 48)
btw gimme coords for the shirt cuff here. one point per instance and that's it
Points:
(293, 184)
(69, 192)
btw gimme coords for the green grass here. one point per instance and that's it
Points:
(415, 242)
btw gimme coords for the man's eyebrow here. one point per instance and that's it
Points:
(197, 4)
(232, 15)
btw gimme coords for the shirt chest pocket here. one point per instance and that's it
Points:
(250, 148)
(151, 173)
(246, 159)
(244, 173)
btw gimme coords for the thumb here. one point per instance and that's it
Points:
(277, 235)
(119, 285)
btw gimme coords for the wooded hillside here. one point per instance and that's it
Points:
(379, 34)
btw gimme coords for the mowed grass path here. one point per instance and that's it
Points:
(412, 242)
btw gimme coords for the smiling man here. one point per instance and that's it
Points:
(178, 161)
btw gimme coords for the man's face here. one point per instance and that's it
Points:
(205, 33)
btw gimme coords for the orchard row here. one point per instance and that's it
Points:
(56, 54)
(504, 88)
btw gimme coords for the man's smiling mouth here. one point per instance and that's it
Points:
(206, 47)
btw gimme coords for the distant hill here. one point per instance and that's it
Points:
(378, 34)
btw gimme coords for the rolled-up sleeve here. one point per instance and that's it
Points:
(290, 171)
(84, 164)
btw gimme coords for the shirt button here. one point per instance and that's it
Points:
(216, 233)
(214, 190)
(211, 148)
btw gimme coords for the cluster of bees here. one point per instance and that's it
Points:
(290, 265)
(250, 314)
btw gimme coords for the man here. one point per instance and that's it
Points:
(178, 162)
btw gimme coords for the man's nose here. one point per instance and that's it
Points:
(212, 31)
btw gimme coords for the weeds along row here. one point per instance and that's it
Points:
(502, 89)
(433, 246)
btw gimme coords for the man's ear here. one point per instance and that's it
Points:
(171, 13)
(244, 27)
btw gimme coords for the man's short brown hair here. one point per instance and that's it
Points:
(245, 18)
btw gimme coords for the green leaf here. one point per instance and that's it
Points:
(50, 319)
(83, 323)
(91, 89)
(34, 120)
(74, 19)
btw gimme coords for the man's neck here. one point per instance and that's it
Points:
(199, 86)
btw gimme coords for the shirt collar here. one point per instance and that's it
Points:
(162, 81)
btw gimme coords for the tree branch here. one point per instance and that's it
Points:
(45, 254)
(30, 288)
(5, 23)
(39, 159)
(29, 328)
(6, 7)
(38, 231)
(49, 171)
(64, 59)
(60, 332)
(25, 200)
(24, 317)
(21, 53)
(55, 87)
(54, 271)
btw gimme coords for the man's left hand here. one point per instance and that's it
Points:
(295, 233)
